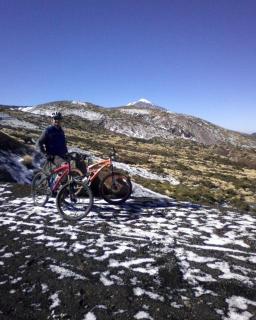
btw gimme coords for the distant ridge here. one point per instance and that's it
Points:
(11, 106)
(144, 120)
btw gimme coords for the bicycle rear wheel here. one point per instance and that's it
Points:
(115, 188)
(40, 189)
(74, 200)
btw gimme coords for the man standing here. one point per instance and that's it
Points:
(53, 141)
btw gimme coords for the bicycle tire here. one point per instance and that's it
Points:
(40, 189)
(73, 205)
(115, 188)
(40, 186)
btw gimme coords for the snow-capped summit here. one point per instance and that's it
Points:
(144, 104)
(145, 101)
(79, 103)
(140, 101)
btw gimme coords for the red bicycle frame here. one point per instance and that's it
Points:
(61, 172)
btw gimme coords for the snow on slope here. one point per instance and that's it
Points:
(77, 108)
(135, 171)
(140, 100)
(143, 119)
(135, 111)
(13, 165)
(127, 252)
(16, 123)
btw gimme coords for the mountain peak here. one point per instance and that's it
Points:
(145, 104)
(142, 100)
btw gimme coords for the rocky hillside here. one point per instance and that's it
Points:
(143, 119)
(161, 255)
(210, 174)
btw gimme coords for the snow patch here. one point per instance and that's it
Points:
(64, 273)
(135, 111)
(105, 281)
(79, 102)
(154, 296)
(142, 315)
(133, 171)
(127, 264)
(237, 308)
(90, 316)
(55, 300)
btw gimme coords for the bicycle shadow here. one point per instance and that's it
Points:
(135, 208)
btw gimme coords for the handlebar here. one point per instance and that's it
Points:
(75, 156)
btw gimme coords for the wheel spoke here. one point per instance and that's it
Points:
(40, 189)
(74, 200)
(116, 188)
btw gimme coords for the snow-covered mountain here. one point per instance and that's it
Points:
(144, 104)
(146, 120)
(76, 108)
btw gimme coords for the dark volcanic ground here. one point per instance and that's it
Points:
(149, 259)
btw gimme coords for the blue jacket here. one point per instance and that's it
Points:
(53, 141)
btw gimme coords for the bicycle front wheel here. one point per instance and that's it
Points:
(115, 188)
(40, 189)
(74, 200)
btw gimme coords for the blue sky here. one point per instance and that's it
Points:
(196, 57)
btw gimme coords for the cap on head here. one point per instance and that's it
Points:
(57, 116)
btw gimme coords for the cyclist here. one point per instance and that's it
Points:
(53, 142)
